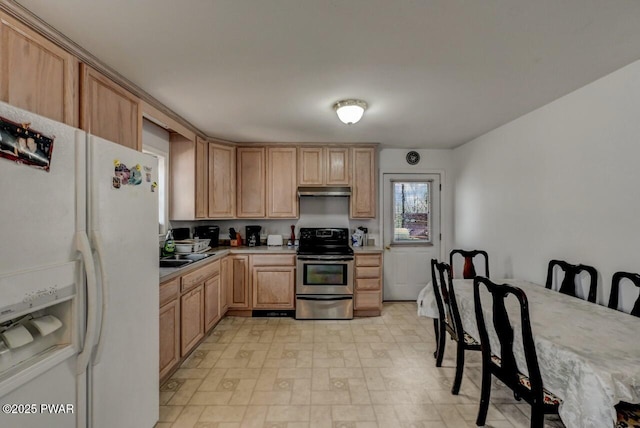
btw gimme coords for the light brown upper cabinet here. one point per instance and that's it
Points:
(363, 186)
(188, 180)
(222, 181)
(250, 182)
(108, 110)
(337, 166)
(282, 200)
(36, 75)
(323, 166)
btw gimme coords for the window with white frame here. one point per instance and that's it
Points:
(411, 212)
(155, 142)
(163, 185)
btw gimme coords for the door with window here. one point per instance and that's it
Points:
(411, 216)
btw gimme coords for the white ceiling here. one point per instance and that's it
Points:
(436, 73)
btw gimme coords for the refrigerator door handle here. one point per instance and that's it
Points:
(82, 243)
(99, 246)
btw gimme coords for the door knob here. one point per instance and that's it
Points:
(387, 247)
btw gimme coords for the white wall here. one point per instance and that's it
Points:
(560, 182)
(431, 161)
(154, 136)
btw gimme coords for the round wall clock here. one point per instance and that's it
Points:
(413, 157)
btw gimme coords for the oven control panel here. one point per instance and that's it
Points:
(313, 234)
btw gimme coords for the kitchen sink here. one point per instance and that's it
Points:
(178, 260)
(174, 263)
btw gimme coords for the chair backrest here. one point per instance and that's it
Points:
(571, 274)
(501, 327)
(615, 290)
(435, 281)
(449, 310)
(469, 269)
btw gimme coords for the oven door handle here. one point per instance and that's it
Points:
(349, 297)
(326, 259)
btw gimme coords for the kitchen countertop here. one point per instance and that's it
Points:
(167, 274)
(368, 249)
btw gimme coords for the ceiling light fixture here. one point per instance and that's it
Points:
(350, 111)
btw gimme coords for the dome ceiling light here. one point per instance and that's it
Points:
(350, 111)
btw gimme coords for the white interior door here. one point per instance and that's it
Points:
(411, 229)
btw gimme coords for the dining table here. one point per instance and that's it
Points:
(589, 354)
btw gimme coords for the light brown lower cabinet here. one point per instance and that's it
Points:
(273, 287)
(190, 306)
(169, 326)
(239, 276)
(368, 285)
(273, 280)
(211, 302)
(224, 285)
(191, 319)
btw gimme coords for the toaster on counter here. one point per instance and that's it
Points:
(274, 240)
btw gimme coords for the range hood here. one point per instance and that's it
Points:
(324, 191)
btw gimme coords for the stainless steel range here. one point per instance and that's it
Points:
(324, 286)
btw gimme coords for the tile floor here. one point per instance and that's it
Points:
(365, 373)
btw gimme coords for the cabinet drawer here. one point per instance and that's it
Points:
(368, 260)
(372, 284)
(194, 278)
(368, 300)
(274, 260)
(169, 291)
(368, 272)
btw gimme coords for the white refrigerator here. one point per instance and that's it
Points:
(78, 279)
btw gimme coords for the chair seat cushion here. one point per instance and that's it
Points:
(628, 415)
(550, 399)
(469, 340)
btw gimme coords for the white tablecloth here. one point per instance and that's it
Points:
(427, 306)
(589, 355)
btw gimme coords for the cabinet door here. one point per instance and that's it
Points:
(240, 296)
(337, 166)
(363, 190)
(250, 176)
(201, 178)
(282, 187)
(36, 75)
(224, 285)
(311, 166)
(211, 302)
(108, 110)
(169, 336)
(273, 287)
(222, 181)
(191, 319)
(188, 180)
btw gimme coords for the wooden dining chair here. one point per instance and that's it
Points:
(628, 415)
(615, 291)
(571, 273)
(469, 269)
(503, 365)
(450, 321)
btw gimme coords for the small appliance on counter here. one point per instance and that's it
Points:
(252, 235)
(207, 232)
(274, 240)
(181, 233)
